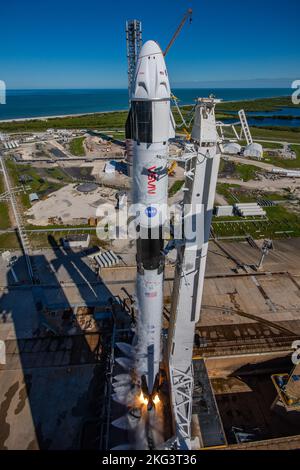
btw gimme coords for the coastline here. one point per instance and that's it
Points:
(187, 101)
(61, 116)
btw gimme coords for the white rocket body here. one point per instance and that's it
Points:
(150, 125)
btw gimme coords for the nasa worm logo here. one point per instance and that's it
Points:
(151, 212)
(152, 177)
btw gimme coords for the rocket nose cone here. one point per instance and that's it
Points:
(151, 78)
(150, 48)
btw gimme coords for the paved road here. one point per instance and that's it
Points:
(265, 184)
(277, 142)
(246, 161)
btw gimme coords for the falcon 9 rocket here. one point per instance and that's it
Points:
(150, 124)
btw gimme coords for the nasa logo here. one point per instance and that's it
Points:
(152, 177)
(151, 211)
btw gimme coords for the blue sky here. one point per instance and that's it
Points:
(81, 44)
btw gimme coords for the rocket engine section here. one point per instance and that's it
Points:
(150, 124)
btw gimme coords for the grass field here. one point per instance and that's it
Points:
(287, 134)
(246, 172)
(41, 239)
(263, 104)
(268, 145)
(280, 223)
(4, 211)
(57, 173)
(38, 184)
(114, 120)
(271, 145)
(76, 147)
(280, 134)
(284, 163)
(235, 193)
(228, 191)
(119, 135)
(175, 187)
(9, 241)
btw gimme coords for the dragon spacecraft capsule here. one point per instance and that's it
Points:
(150, 124)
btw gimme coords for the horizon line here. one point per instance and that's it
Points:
(178, 87)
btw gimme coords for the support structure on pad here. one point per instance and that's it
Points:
(134, 44)
(201, 171)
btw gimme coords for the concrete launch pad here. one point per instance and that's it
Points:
(240, 352)
(51, 393)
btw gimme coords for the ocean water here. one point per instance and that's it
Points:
(36, 103)
(271, 118)
(267, 121)
(290, 112)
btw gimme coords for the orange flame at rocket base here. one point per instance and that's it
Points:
(156, 399)
(143, 399)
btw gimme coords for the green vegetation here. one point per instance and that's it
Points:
(281, 134)
(114, 122)
(9, 241)
(222, 165)
(285, 163)
(57, 173)
(50, 227)
(89, 121)
(36, 183)
(243, 171)
(175, 187)
(234, 193)
(76, 147)
(290, 129)
(280, 223)
(268, 145)
(271, 145)
(4, 216)
(4, 210)
(118, 135)
(283, 117)
(263, 104)
(246, 172)
(41, 239)
(228, 192)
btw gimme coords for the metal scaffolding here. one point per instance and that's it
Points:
(18, 218)
(134, 44)
(202, 160)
